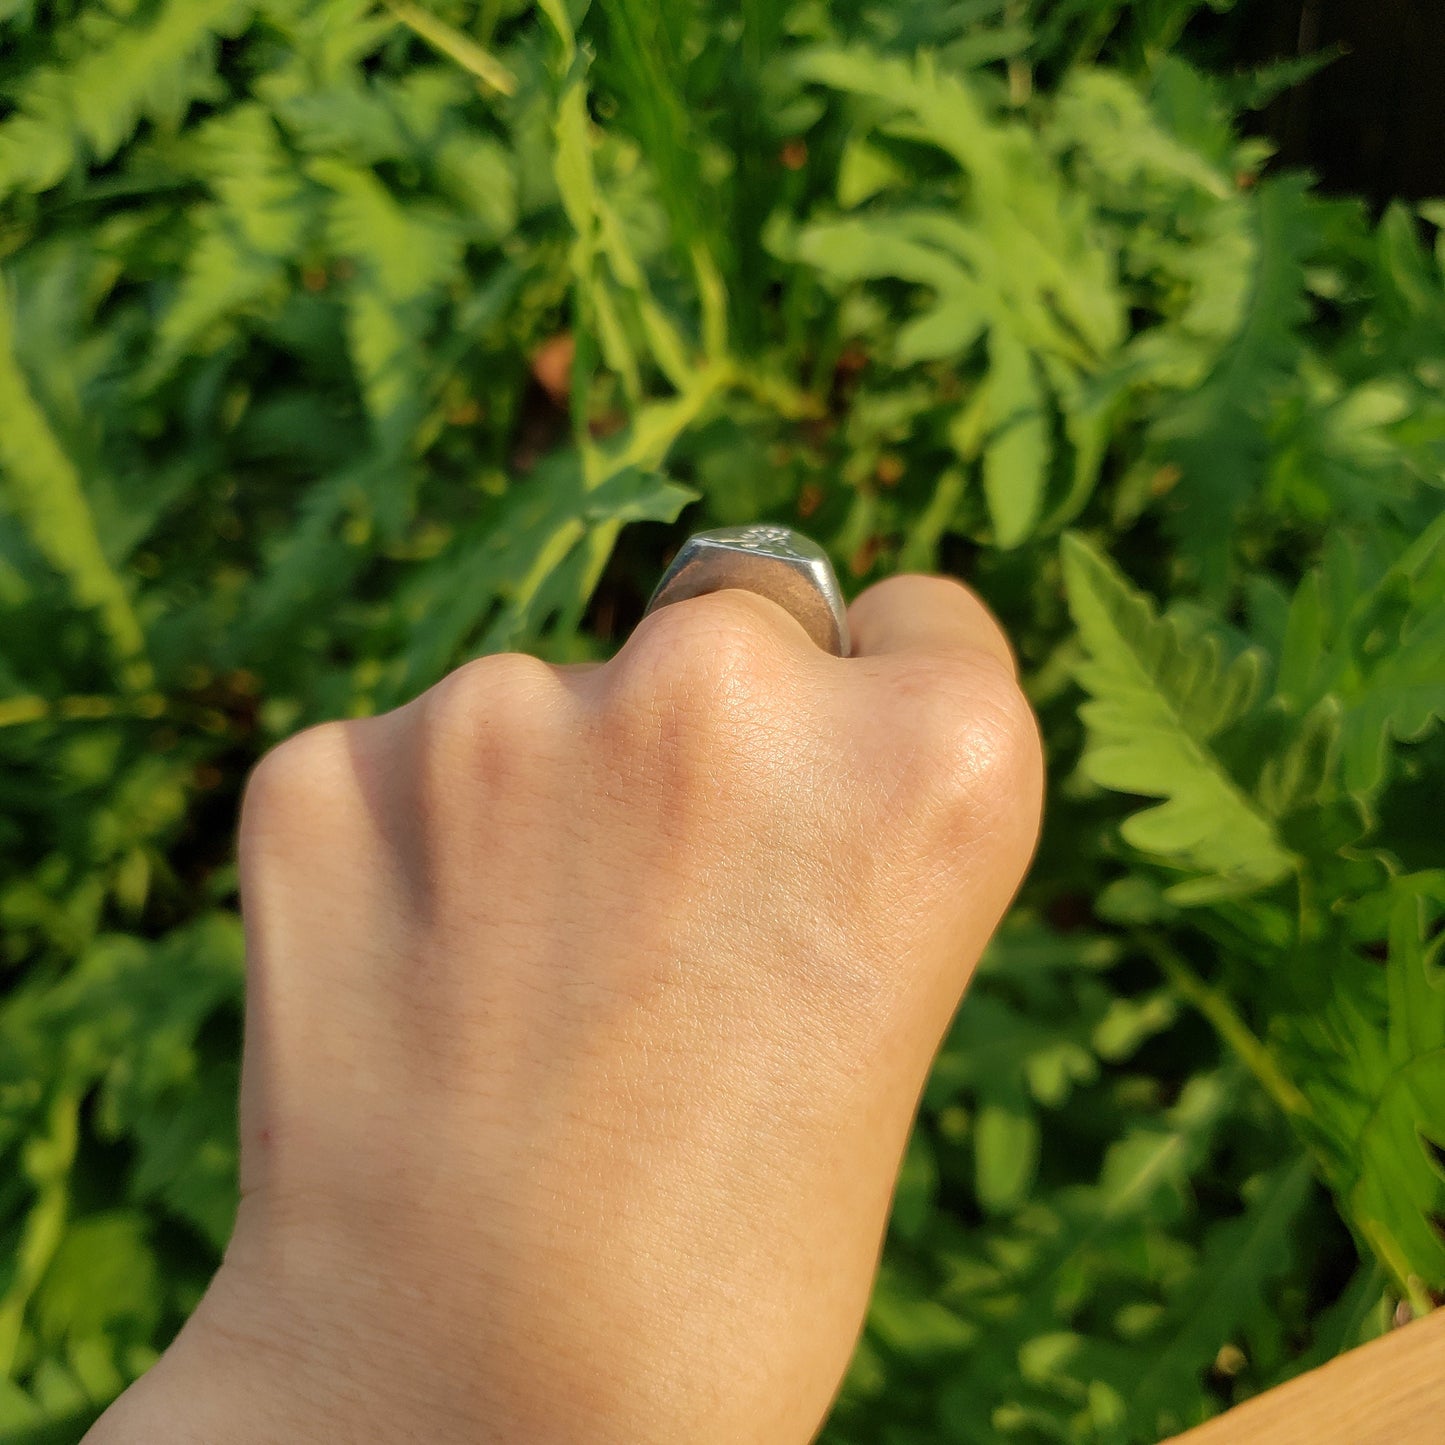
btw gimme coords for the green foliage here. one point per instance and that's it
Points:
(1018, 266)
(342, 341)
(1161, 696)
(1368, 1093)
(134, 1045)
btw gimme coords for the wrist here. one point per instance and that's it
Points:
(361, 1358)
(203, 1388)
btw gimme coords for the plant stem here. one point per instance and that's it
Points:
(1020, 72)
(1228, 1024)
(455, 46)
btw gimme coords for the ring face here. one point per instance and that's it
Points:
(775, 562)
(778, 540)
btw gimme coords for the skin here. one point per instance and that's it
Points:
(587, 1014)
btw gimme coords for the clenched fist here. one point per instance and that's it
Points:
(588, 1009)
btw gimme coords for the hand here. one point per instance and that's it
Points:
(588, 1010)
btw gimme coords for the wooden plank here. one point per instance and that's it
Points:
(1389, 1392)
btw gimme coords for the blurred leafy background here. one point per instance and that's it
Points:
(342, 340)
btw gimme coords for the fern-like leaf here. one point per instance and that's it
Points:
(408, 251)
(1216, 436)
(526, 558)
(1377, 1096)
(404, 254)
(1400, 1184)
(244, 242)
(125, 70)
(44, 490)
(1019, 261)
(1239, 1260)
(1105, 115)
(1376, 646)
(1159, 696)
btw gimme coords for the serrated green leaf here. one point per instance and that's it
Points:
(237, 261)
(1241, 1258)
(222, 278)
(129, 69)
(1105, 114)
(1304, 773)
(409, 251)
(1397, 1198)
(1216, 436)
(1149, 1168)
(864, 171)
(1375, 649)
(1018, 260)
(481, 174)
(1370, 1058)
(525, 557)
(44, 489)
(1159, 697)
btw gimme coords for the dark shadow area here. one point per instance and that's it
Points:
(1371, 122)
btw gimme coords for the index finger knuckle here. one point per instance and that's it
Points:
(301, 780)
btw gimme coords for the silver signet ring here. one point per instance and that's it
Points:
(775, 562)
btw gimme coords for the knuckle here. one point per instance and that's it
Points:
(498, 697)
(701, 657)
(694, 700)
(488, 722)
(973, 757)
(294, 782)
